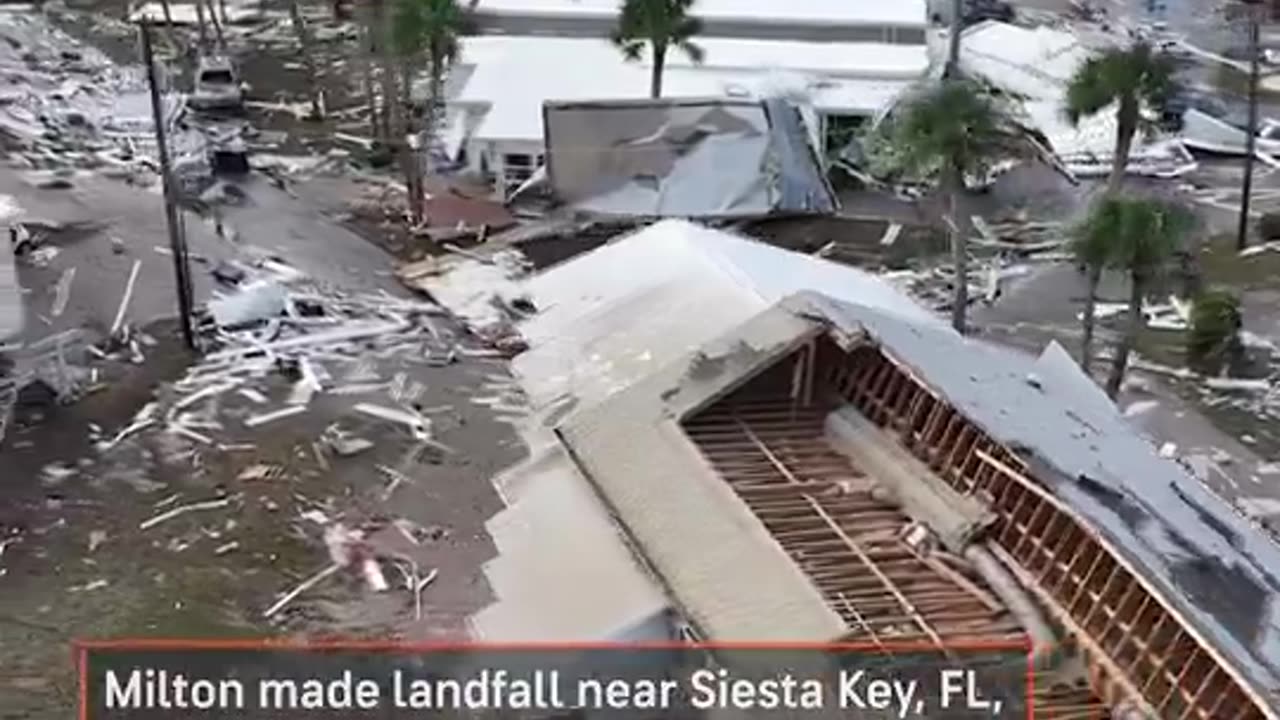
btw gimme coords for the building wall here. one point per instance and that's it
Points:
(505, 163)
(570, 25)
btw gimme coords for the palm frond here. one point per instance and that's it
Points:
(1133, 234)
(422, 25)
(958, 123)
(661, 23)
(694, 51)
(1136, 74)
(686, 28)
(1092, 241)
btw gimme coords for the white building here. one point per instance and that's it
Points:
(495, 116)
(884, 21)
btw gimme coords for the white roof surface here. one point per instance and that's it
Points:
(514, 75)
(562, 572)
(676, 286)
(1035, 62)
(794, 12)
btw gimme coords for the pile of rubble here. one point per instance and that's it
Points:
(272, 319)
(66, 107)
(275, 340)
(482, 290)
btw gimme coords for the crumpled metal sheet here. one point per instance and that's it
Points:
(684, 158)
(255, 302)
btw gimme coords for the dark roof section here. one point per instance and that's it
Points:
(1211, 564)
(703, 158)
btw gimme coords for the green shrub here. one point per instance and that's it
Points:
(1213, 338)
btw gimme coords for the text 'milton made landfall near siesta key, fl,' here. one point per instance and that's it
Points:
(956, 689)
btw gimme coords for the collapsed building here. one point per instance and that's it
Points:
(496, 91)
(1033, 67)
(695, 158)
(737, 442)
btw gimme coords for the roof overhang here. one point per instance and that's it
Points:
(740, 584)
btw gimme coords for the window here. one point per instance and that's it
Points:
(517, 160)
(906, 36)
(217, 77)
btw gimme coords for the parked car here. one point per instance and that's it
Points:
(217, 85)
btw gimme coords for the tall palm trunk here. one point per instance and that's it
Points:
(387, 76)
(1093, 279)
(200, 25)
(398, 126)
(222, 11)
(953, 39)
(308, 60)
(953, 184)
(377, 114)
(168, 15)
(1133, 325)
(435, 90)
(659, 65)
(413, 151)
(218, 26)
(1126, 128)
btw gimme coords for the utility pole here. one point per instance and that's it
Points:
(1252, 8)
(177, 239)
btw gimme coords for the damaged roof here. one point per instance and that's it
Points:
(612, 316)
(1035, 65)
(684, 158)
(555, 535)
(1211, 564)
(613, 320)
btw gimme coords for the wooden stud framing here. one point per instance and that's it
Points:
(1103, 598)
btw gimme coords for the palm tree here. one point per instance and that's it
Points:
(1147, 233)
(426, 30)
(662, 25)
(372, 21)
(201, 27)
(953, 42)
(1091, 245)
(955, 130)
(1130, 78)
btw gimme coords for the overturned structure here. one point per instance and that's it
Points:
(705, 158)
(740, 443)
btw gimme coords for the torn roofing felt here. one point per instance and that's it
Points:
(1213, 566)
(684, 158)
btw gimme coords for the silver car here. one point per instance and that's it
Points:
(217, 86)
